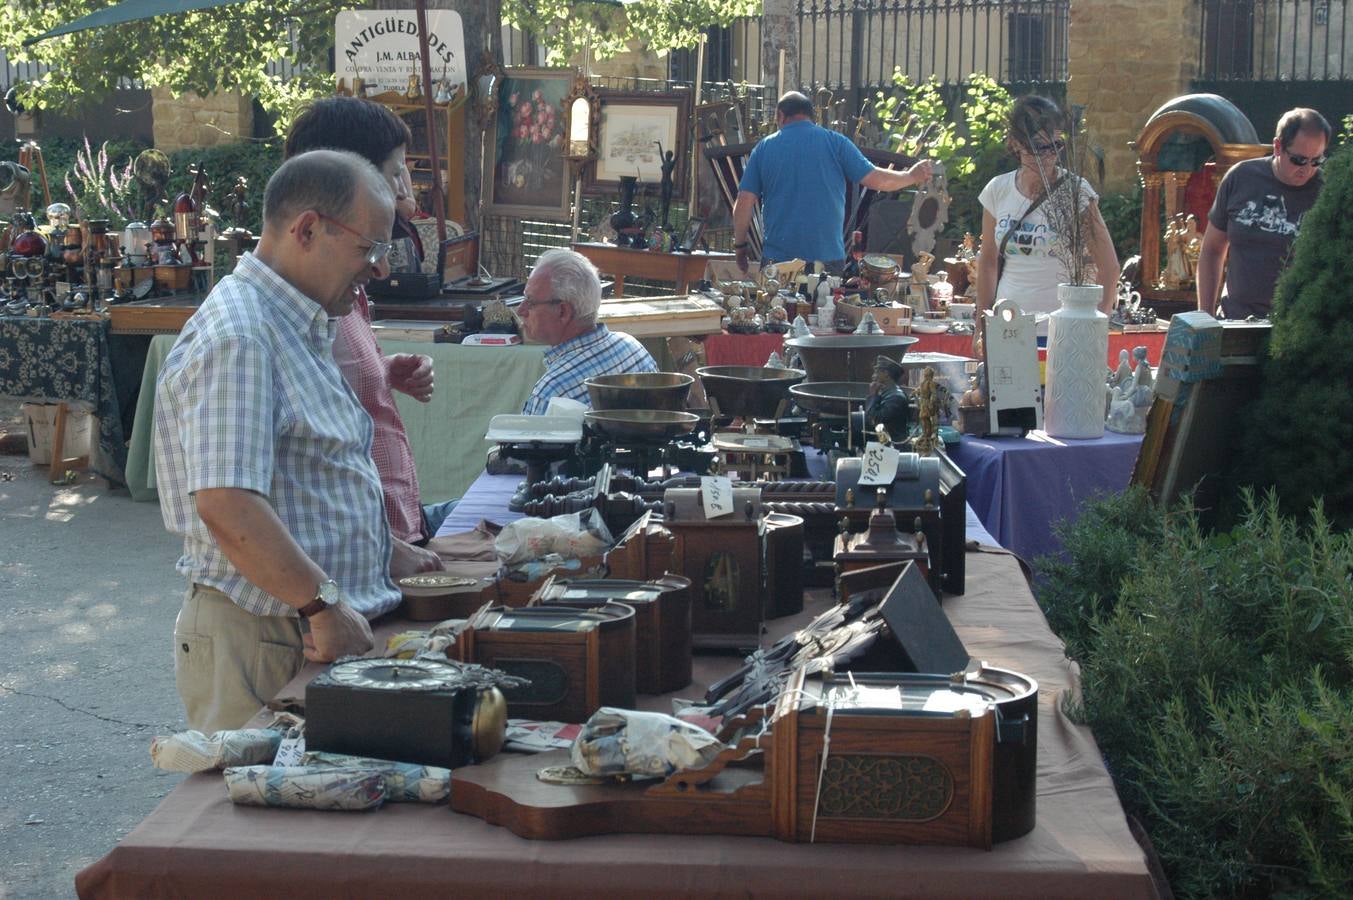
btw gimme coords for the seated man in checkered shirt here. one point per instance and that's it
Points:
(563, 295)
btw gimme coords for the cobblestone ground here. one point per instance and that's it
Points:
(88, 595)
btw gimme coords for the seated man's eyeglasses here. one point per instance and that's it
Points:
(375, 253)
(527, 305)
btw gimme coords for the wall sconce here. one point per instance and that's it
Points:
(580, 106)
(487, 82)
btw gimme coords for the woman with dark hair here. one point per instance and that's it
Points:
(374, 132)
(1022, 257)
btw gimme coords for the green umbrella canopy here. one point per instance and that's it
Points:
(128, 11)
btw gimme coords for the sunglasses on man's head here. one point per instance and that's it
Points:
(1298, 160)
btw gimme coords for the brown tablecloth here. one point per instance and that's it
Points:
(197, 844)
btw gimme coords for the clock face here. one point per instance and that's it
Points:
(394, 674)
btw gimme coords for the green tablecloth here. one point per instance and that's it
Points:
(447, 435)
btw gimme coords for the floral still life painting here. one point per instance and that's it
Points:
(529, 175)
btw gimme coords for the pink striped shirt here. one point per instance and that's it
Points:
(365, 370)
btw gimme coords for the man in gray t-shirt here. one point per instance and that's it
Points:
(1256, 216)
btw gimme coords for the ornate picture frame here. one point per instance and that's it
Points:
(630, 126)
(525, 172)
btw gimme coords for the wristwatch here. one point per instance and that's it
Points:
(326, 595)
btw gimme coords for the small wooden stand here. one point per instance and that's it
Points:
(887, 778)
(60, 462)
(653, 265)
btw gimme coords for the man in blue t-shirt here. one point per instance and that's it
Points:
(800, 175)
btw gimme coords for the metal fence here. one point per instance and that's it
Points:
(1275, 40)
(853, 44)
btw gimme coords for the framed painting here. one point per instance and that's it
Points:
(641, 134)
(525, 173)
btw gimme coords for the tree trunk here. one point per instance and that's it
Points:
(483, 30)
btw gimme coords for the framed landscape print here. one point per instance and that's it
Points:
(638, 132)
(525, 173)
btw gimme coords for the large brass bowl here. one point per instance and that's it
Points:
(646, 425)
(748, 391)
(640, 390)
(847, 357)
(833, 398)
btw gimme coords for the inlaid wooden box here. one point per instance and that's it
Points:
(576, 660)
(725, 562)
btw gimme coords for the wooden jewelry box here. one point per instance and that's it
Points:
(577, 661)
(662, 623)
(724, 560)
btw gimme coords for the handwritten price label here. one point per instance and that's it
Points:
(879, 466)
(290, 751)
(717, 491)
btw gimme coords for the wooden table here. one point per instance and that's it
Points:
(620, 262)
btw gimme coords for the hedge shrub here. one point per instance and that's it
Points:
(1218, 680)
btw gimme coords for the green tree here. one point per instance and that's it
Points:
(229, 48)
(1301, 426)
(606, 27)
(968, 136)
(207, 51)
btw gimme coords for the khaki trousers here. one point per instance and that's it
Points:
(228, 662)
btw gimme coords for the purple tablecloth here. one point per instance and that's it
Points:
(1022, 487)
(487, 499)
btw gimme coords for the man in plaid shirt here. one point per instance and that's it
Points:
(563, 295)
(264, 454)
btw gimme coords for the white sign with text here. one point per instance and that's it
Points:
(879, 466)
(380, 46)
(717, 492)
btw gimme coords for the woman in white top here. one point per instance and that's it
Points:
(1034, 253)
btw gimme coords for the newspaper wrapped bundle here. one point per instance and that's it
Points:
(193, 751)
(404, 782)
(301, 787)
(625, 742)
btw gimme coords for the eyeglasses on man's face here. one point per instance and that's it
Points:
(1298, 160)
(528, 305)
(374, 253)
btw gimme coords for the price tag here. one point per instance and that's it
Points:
(717, 493)
(879, 466)
(290, 751)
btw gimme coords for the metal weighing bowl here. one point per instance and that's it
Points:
(830, 397)
(748, 391)
(640, 390)
(649, 425)
(847, 357)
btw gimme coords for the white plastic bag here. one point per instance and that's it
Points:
(571, 536)
(624, 741)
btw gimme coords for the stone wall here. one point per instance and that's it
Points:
(1127, 58)
(193, 121)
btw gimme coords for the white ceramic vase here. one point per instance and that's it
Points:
(1078, 345)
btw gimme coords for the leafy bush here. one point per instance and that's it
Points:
(1103, 546)
(1218, 680)
(255, 160)
(1299, 427)
(969, 138)
(1122, 213)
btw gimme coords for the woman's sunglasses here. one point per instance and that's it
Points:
(1056, 146)
(1298, 160)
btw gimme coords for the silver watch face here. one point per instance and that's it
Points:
(328, 592)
